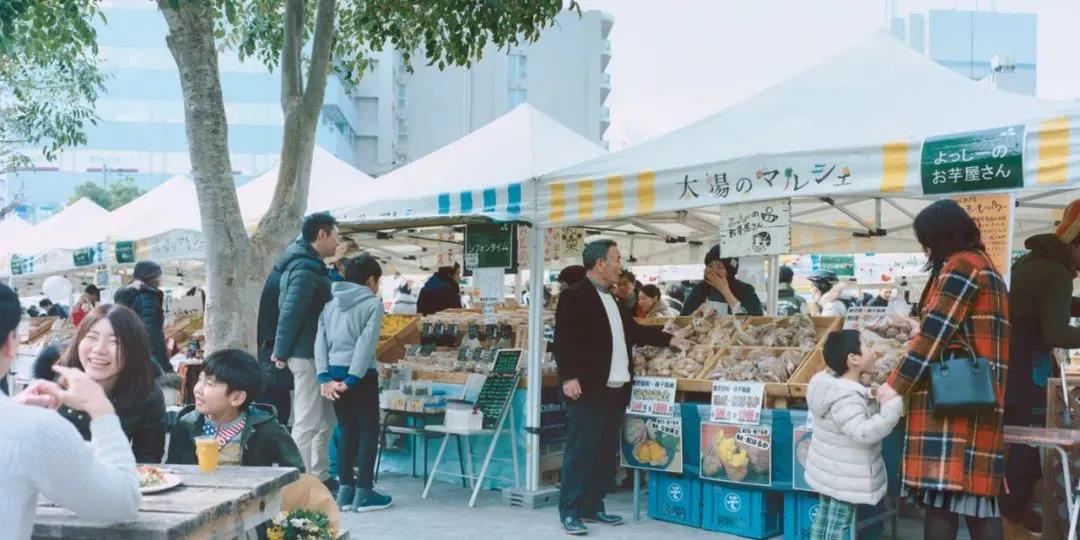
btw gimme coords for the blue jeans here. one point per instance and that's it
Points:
(333, 469)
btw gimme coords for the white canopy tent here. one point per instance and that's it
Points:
(332, 181)
(51, 242)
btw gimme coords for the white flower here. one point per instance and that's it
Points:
(299, 523)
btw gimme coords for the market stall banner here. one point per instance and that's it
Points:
(21, 265)
(842, 265)
(125, 252)
(758, 228)
(984, 160)
(652, 443)
(88, 255)
(738, 454)
(171, 246)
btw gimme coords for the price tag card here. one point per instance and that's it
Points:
(440, 330)
(737, 402)
(859, 317)
(474, 331)
(653, 396)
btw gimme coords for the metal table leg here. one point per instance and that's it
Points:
(637, 494)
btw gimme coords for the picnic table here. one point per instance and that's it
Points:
(222, 504)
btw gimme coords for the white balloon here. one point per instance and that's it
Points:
(57, 288)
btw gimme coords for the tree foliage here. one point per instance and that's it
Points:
(443, 32)
(117, 194)
(49, 76)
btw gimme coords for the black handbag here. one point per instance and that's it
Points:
(961, 385)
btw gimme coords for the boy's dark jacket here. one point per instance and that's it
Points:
(264, 442)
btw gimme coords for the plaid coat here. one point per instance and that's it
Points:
(967, 301)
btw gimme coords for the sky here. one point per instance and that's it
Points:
(676, 61)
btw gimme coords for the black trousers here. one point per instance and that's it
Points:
(593, 427)
(279, 397)
(1023, 466)
(358, 416)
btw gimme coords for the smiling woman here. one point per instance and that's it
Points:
(112, 348)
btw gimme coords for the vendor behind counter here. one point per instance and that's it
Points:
(720, 286)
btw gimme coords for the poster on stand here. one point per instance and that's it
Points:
(738, 454)
(652, 443)
(800, 440)
(759, 228)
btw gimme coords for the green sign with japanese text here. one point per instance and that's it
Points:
(490, 245)
(842, 265)
(125, 252)
(21, 265)
(990, 159)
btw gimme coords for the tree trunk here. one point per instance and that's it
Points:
(229, 321)
(236, 266)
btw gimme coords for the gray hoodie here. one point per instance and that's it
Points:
(348, 333)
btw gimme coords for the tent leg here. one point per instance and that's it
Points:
(536, 350)
(773, 285)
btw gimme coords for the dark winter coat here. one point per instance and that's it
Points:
(789, 303)
(149, 304)
(743, 291)
(1040, 305)
(264, 442)
(304, 289)
(440, 293)
(142, 419)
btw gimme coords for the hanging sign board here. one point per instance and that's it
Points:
(499, 386)
(653, 396)
(759, 228)
(993, 215)
(490, 245)
(125, 252)
(842, 265)
(982, 160)
(737, 402)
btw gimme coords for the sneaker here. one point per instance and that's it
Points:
(371, 503)
(604, 518)
(345, 498)
(573, 526)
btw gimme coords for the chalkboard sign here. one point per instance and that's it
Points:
(490, 245)
(499, 386)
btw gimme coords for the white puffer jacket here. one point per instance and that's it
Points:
(844, 461)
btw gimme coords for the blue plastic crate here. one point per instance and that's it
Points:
(675, 498)
(801, 507)
(745, 512)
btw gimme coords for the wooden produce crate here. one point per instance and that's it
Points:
(776, 393)
(822, 325)
(810, 366)
(392, 345)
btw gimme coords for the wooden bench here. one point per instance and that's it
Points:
(1061, 440)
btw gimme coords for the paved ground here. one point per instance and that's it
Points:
(445, 515)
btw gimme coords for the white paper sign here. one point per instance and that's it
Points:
(737, 402)
(759, 228)
(653, 396)
(489, 283)
(859, 317)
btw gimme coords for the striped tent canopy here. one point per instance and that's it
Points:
(484, 175)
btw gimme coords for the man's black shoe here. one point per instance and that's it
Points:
(573, 526)
(605, 518)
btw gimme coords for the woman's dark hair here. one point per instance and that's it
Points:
(652, 291)
(944, 229)
(92, 289)
(838, 345)
(238, 370)
(136, 377)
(362, 267)
(572, 274)
(10, 312)
(677, 291)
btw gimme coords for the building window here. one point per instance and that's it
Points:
(402, 131)
(518, 64)
(401, 96)
(516, 97)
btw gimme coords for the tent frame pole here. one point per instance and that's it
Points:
(535, 371)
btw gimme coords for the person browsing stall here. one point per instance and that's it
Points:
(721, 287)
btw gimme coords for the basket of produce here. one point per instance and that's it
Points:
(397, 332)
(801, 331)
(707, 336)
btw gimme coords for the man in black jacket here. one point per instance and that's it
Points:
(441, 292)
(593, 336)
(144, 297)
(1041, 305)
(304, 289)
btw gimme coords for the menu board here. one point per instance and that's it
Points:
(499, 386)
(758, 228)
(993, 214)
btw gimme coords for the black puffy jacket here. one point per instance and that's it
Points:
(149, 304)
(304, 289)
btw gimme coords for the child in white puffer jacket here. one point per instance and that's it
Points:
(844, 464)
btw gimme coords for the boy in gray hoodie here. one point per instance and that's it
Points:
(345, 343)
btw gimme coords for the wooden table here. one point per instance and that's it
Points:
(223, 504)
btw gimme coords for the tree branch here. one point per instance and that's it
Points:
(291, 85)
(320, 55)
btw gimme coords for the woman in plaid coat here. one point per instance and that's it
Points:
(954, 465)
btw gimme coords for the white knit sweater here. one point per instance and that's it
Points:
(40, 452)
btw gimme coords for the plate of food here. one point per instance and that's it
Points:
(154, 480)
